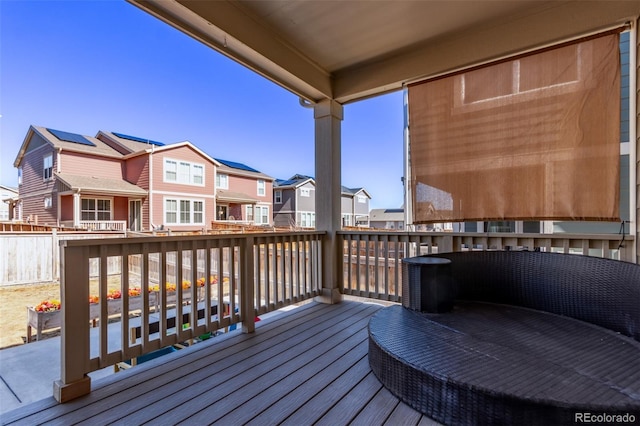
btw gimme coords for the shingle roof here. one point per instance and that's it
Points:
(100, 185)
(233, 167)
(96, 146)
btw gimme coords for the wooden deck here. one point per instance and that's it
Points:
(306, 366)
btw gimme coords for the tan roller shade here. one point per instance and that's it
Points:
(532, 138)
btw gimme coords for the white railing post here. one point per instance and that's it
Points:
(247, 279)
(74, 343)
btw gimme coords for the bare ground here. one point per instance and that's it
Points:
(14, 300)
(13, 310)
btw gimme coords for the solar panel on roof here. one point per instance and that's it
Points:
(238, 166)
(71, 137)
(137, 139)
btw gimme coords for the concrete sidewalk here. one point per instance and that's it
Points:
(27, 372)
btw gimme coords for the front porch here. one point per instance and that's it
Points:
(304, 366)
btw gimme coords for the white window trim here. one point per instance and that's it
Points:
(44, 168)
(277, 197)
(261, 184)
(311, 216)
(109, 199)
(179, 180)
(305, 192)
(191, 211)
(219, 181)
(48, 202)
(257, 214)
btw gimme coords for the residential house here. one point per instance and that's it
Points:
(294, 203)
(114, 182)
(387, 219)
(393, 219)
(8, 195)
(243, 194)
(355, 207)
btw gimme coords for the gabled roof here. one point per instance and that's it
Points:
(233, 167)
(99, 185)
(293, 182)
(386, 215)
(353, 191)
(67, 141)
(126, 144)
(9, 188)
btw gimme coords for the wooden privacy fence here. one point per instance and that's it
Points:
(35, 257)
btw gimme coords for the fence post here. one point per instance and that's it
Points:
(247, 278)
(74, 342)
(55, 254)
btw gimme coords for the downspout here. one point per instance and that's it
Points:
(150, 198)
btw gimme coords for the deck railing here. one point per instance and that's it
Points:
(186, 286)
(372, 260)
(173, 290)
(103, 225)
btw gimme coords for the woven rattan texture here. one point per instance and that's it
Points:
(496, 364)
(600, 291)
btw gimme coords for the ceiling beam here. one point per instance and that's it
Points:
(554, 23)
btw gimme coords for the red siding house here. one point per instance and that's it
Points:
(243, 194)
(114, 181)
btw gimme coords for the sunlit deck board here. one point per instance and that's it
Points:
(307, 365)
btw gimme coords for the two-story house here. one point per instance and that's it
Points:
(243, 194)
(355, 207)
(294, 203)
(113, 181)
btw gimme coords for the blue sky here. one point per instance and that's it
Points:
(83, 66)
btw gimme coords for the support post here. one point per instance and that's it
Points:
(74, 340)
(76, 210)
(328, 116)
(247, 279)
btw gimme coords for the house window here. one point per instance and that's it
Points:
(198, 174)
(171, 211)
(261, 188)
(47, 168)
(20, 175)
(250, 213)
(362, 199)
(95, 209)
(183, 211)
(198, 212)
(48, 202)
(262, 215)
(277, 197)
(222, 181)
(307, 219)
(305, 192)
(183, 172)
(170, 171)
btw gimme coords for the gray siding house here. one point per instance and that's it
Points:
(294, 203)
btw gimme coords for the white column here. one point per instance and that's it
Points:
(76, 210)
(328, 118)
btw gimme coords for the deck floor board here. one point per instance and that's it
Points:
(306, 365)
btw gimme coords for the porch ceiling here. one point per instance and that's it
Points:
(350, 50)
